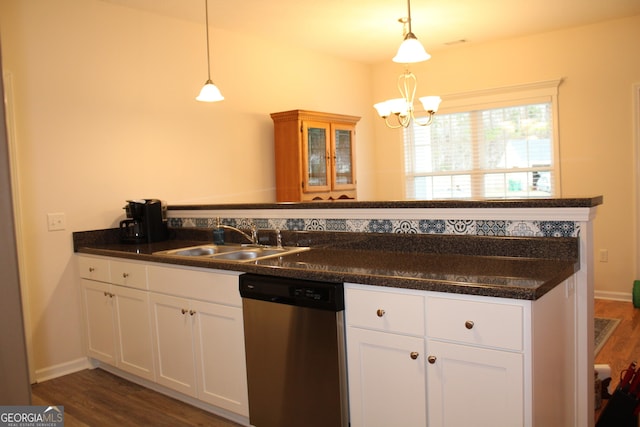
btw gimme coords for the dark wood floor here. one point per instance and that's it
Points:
(623, 346)
(97, 398)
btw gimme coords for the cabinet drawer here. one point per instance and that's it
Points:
(93, 268)
(480, 323)
(213, 285)
(129, 274)
(385, 311)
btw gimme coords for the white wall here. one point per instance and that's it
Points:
(103, 100)
(600, 63)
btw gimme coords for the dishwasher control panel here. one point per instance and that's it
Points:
(315, 294)
(284, 290)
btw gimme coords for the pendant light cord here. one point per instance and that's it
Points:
(409, 14)
(206, 11)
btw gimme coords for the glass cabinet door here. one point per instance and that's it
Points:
(343, 154)
(316, 156)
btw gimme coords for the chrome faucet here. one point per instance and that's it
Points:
(253, 238)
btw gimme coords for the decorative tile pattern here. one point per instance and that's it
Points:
(557, 228)
(523, 229)
(315, 225)
(277, 224)
(460, 226)
(431, 226)
(357, 225)
(294, 224)
(491, 228)
(407, 226)
(337, 225)
(380, 226)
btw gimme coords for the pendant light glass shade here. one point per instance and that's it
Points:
(411, 51)
(430, 103)
(209, 93)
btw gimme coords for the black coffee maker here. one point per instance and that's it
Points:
(146, 222)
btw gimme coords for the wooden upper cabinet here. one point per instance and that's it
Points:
(315, 156)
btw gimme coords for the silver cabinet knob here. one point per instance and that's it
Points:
(91, 269)
(192, 312)
(414, 355)
(380, 312)
(468, 324)
(431, 359)
(184, 311)
(125, 275)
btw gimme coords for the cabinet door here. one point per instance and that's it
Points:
(315, 152)
(343, 157)
(173, 338)
(99, 329)
(220, 357)
(386, 379)
(133, 331)
(472, 386)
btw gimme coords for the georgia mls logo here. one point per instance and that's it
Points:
(31, 416)
(55, 409)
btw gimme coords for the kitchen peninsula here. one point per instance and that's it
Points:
(452, 254)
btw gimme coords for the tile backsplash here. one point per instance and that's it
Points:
(484, 227)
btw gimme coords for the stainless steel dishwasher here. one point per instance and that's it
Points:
(295, 352)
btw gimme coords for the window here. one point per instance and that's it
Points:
(491, 144)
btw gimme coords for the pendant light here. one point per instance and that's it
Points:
(411, 50)
(209, 92)
(400, 112)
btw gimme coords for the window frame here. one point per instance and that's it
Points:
(507, 96)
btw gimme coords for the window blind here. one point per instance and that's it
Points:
(505, 148)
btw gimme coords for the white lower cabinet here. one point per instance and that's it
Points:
(179, 327)
(199, 335)
(386, 379)
(200, 350)
(100, 337)
(118, 327)
(473, 386)
(173, 338)
(418, 358)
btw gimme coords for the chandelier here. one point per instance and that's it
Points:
(209, 92)
(401, 110)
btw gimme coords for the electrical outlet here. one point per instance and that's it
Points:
(604, 255)
(56, 221)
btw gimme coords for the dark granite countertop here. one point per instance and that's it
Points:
(518, 268)
(526, 203)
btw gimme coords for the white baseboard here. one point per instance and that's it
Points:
(618, 296)
(70, 367)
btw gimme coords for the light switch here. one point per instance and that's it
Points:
(56, 221)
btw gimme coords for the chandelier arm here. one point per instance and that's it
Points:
(389, 125)
(405, 121)
(428, 122)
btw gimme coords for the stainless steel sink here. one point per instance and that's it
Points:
(253, 253)
(237, 253)
(198, 251)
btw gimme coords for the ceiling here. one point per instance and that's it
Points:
(369, 31)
